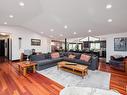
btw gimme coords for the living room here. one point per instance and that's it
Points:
(49, 49)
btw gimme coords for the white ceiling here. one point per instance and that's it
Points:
(78, 15)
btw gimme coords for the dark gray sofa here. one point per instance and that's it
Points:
(117, 63)
(45, 61)
(92, 63)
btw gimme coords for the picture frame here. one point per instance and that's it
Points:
(35, 42)
(120, 44)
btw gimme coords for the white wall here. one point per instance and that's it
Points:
(110, 45)
(26, 36)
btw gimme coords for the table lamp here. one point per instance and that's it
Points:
(28, 53)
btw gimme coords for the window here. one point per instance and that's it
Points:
(90, 39)
(70, 46)
(94, 46)
(80, 47)
(74, 46)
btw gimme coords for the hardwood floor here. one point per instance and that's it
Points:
(118, 78)
(14, 83)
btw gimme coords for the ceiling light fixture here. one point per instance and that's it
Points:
(75, 33)
(65, 26)
(42, 32)
(5, 22)
(11, 16)
(109, 6)
(89, 30)
(109, 20)
(21, 4)
(51, 30)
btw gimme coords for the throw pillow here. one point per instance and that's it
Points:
(85, 57)
(71, 56)
(55, 55)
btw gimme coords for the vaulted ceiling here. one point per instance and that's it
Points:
(48, 17)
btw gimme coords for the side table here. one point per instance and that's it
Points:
(25, 65)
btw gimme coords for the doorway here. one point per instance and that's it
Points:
(5, 46)
(2, 48)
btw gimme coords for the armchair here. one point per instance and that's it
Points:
(117, 62)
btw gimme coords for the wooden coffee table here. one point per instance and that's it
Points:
(25, 65)
(78, 69)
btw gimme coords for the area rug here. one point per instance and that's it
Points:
(95, 79)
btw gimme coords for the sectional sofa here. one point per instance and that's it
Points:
(45, 60)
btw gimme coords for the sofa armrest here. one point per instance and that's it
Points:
(94, 63)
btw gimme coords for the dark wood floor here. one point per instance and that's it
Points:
(118, 78)
(14, 83)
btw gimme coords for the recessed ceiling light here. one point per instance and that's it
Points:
(5, 22)
(42, 32)
(21, 4)
(51, 30)
(109, 20)
(65, 26)
(109, 6)
(61, 35)
(75, 33)
(89, 30)
(11, 16)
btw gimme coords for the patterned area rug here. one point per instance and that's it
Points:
(94, 79)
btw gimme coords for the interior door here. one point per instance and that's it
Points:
(2, 47)
(8, 48)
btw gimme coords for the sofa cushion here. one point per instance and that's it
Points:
(76, 61)
(85, 57)
(43, 62)
(68, 59)
(120, 59)
(81, 62)
(63, 54)
(117, 56)
(55, 60)
(47, 55)
(48, 61)
(69, 53)
(72, 56)
(55, 55)
(37, 57)
(77, 55)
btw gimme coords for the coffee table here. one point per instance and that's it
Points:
(24, 65)
(78, 69)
